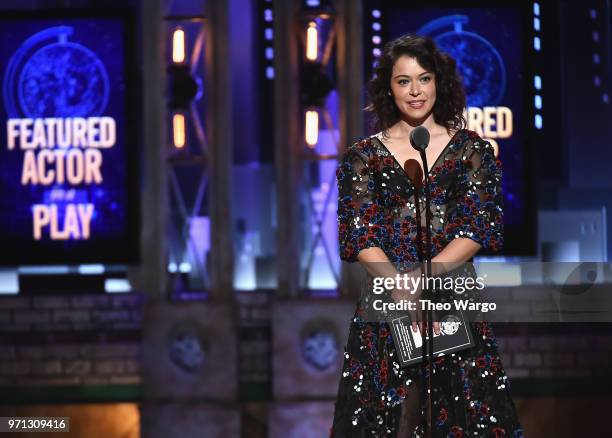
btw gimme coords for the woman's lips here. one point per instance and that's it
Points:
(417, 104)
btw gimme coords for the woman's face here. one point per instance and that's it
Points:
(413, 89)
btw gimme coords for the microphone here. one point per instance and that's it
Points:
(415, 172)
(419, 138)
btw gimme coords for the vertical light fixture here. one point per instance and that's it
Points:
(178, 57)
(537, 45)
(187, 152)
(311, 131)
(317, 81)
(312, 41)
(317, 39)
(178, 46)
(183, 86)
(178, 130)
(312, 128)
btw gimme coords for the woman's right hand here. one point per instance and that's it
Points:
(399, 295)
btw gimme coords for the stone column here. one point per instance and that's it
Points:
(350, 83)
(220, 147)
(287, 143)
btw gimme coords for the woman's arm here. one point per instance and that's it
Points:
(459, 250)
(377, 264)
(476, 220)
(456, 253)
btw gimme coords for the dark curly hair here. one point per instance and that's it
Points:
(450, 94)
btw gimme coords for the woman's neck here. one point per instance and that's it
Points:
(403, 128)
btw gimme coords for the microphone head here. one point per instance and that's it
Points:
(419, 138)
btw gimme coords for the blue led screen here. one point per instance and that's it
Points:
(67, 174)
(490, 44)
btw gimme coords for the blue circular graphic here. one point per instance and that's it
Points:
(480, 65)
(63, 80)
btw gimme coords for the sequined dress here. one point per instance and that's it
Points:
(471, 392)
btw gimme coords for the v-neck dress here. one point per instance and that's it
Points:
(376, 208)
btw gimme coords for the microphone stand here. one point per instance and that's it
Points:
(414, 171)
(428, 315)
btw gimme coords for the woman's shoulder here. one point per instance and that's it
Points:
(472, 136)
(366, 147)
(473, 146)
(473, 141)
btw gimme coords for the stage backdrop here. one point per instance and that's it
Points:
(491, 43)
(68, 169)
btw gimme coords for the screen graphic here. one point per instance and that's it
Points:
(65, 156)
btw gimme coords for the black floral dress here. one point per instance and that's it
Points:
(471, 392)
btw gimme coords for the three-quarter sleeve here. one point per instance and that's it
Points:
(478, 210)
(360, 216)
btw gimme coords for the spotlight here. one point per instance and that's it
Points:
(312, 128)
(312, 41)
(178, 46)
(178, 130)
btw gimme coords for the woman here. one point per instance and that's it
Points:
(417, 85)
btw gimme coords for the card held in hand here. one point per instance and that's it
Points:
(455, 335)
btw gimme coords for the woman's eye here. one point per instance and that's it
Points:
(403, 81)
(426, 78)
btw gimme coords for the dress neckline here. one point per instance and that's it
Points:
(432, 167)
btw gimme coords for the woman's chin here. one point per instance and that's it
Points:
(415, 117)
